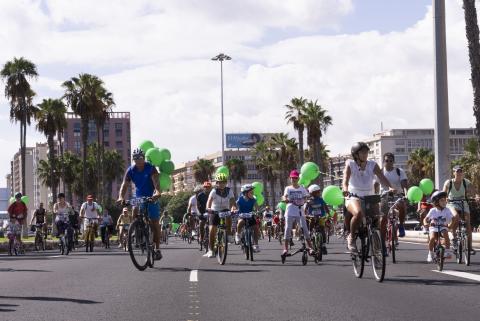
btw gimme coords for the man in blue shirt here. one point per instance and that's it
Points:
(146, 179)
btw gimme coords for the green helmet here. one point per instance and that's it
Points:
(221, 177)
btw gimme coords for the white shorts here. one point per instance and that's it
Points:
(289, 220)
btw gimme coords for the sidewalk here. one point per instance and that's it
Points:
(418, 236)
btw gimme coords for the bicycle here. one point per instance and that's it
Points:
(372, 244)
(268, 227)
(123, 237)
(89, 233)
(14, 244)
(165, 233)
(438, 249)
(318, 241)
(140, 235)
(247, 235)
(389, 207)
(303, 249)
(66, 240)
(205, 243)
(463, 247)
(221, 240)
(40, 237)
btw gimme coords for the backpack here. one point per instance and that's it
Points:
(450, 185)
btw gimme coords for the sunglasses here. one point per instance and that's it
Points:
(388, 160)
(138, 158)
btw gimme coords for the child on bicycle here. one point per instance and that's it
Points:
(439, 214)
(316, 210)
(246, 203)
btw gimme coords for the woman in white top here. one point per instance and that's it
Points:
(358, 181)
(61, 210)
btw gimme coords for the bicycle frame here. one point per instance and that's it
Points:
(462, 234)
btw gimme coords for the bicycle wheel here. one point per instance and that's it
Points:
(358, 258)
(250, 244)
(304, 257)
(392, 242)
(440, 257)
(38, 242)
(62, 245)
(459, 252)
(150, 251)
(317, 246)
(377, 255)
(222, 246)
(269, 234)
(466, 251)
(137, 245)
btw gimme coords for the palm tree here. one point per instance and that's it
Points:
(471, 28)
(48, 114)
(20, 94)
(238, 171)
(47, 173)
(86, 96)
(203, 170)
(421, 164)
(114, 167)
(470, 162)
(266, 162)
(286, 151)
(316, 122)
(295, 115)
(71, 166)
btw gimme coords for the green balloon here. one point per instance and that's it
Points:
(167, 167)
(25, 199)
(260, 199)
(304, 181)
(165, 154)
(414, 194)
(310, 170)
(224, 170)
(100, 209)
(154, 156)
(146, 145)
(282, 206)
(11, 200)
(257, 188)
(333, 195)
(165, 181)
(426, 185)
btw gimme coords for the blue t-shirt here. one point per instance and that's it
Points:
(245, 205)
(142, 180)
(316, 207)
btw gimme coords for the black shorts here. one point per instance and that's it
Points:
(214, 219)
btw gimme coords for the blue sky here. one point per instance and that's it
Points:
(366, 61)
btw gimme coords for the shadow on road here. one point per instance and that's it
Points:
(48, 299)
(7, 305)
(429, 281)
(21, 270)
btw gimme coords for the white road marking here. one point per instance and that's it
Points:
(464, 275)
(194, 276)
(55, 256)
(424, 244)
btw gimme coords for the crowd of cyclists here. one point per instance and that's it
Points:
(305, 209)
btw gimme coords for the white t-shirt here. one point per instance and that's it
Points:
(444, 217)
(296, 199)
(220, 203)
(192, 202)
(394, 179)
(89, 210)
(61, 212)
(361, 181)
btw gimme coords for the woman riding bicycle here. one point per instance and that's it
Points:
(123, 221)
(61, 210)
(247, 204)
(358, 181)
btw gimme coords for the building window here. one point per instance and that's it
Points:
(119, 144)
(106, 144)
(118, 126)
(118, 132)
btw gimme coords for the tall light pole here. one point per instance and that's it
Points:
(221, 57)
(442, 127)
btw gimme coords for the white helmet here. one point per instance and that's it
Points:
(313, 188)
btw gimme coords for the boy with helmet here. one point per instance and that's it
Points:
(17, 212)
(316, 210)
(441, 215)
(295, 196)
(358, 181)
(221, 199)
(246, 203)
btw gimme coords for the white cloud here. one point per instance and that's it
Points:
(157, 54)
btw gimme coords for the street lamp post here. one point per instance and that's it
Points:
(221, 57)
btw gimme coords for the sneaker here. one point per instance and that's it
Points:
(401, 230)
(352, 245)
(324, 250)
(472, 252)
(256, 249)
(210, 254)
(120, 245)
(429, 257)
(206, 254)
(158, 255)
(237, 238)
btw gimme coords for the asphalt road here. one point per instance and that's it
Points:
(186, 286)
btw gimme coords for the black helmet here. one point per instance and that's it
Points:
(358, 147)
(436, 196)
(18, 195)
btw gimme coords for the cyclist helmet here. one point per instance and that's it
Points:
(18, 195)
(221, 177)
(246, 188)
(207, 184)
(436, 196)
(358, 146)
(457, 168)
(198, 189)
(313, 188)
(137, 154)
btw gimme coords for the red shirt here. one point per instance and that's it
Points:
(18, 211)
(424, 205)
